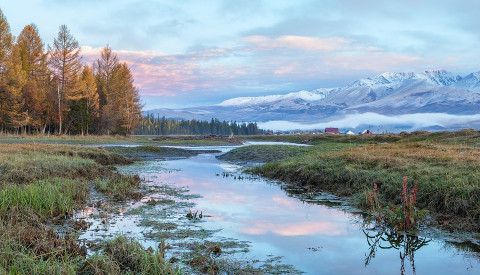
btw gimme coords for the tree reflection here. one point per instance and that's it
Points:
(406, 244)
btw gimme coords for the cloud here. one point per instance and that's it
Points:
(292, 228)
(260, 42)
(415, 121)
(157, 73)
(255, 64)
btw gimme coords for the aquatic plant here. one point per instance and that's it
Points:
(406, 244)
(404, 217)
(194, 216)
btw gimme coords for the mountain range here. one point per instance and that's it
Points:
(431, 100)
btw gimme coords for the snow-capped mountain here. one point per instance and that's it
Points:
(386, 94)
(470, 82)
(303, 95)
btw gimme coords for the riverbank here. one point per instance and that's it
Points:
(446, 166)
(40, 184)
(174, 140)
(150, 152)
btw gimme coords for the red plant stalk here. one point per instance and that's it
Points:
(375, 196)
(413, 198)
(405, 202)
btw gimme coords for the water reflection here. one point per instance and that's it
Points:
(288, 221)
(406, 244)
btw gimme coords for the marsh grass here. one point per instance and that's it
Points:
(39, 182)
(23, 163)
(448, 175)
(125, 255)
(27, 246)
(94, 139)
(119, 186)
(263, 153)
(48, 197)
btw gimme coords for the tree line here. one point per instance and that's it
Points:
(151, 125)
(52, 91)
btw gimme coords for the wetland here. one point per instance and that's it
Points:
(132, 207)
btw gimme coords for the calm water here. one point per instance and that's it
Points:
(314, 238)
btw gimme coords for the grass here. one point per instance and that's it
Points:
(263, 153)
(43, 181)
(24, 163)
(47, 197)
(119, 186)
(147, 152)
(448, 173)
(94, 139)
(123, 255)
(327, 139)
(143, 148)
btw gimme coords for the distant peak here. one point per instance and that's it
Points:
(436, 71)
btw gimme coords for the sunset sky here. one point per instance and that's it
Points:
(188, 53)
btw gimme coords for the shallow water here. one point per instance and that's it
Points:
(313, 237)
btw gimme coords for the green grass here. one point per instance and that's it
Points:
(48, 197)
(118, 186)
(263, 153)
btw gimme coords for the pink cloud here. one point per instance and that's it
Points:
(257, 227)
(159, 74)
(297, 42)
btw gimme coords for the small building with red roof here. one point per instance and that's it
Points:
(332, 131)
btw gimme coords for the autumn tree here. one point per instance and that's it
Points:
(55, 92)
(66, 64)
(123, 108)
(5, 42)
(12, 80)
(5, 49)
(104, 67)
(34, 64)
(84, 103)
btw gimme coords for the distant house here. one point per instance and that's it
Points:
(332, 131)
(349, 133)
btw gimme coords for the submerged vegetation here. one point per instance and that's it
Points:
(445, 164)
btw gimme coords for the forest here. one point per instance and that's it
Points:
(151, 125)
(51, 91)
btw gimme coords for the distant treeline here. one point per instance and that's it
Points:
(52, 91)
(151, 125)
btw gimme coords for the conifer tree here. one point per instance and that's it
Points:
(12, 80)
(123, 108)
(34, 64)
(66, 64)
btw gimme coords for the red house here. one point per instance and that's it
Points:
(332, 131)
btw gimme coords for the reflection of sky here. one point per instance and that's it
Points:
(262, 213)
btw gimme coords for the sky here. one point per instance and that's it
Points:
(191, 53)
